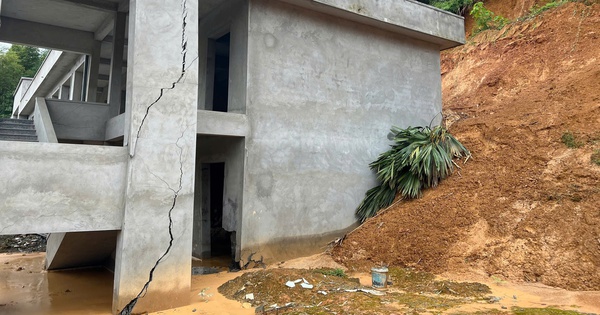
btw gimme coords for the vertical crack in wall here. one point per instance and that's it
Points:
(129, 307)
(184, 15)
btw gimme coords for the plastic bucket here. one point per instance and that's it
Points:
(379, 276)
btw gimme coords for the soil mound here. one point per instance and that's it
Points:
(526, 101)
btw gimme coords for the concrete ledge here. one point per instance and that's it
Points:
(50, 187)
(223, 124)
(407, 17)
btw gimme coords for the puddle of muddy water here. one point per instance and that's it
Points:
(25, 288)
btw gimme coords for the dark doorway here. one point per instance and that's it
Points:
(220, 243)
(221, 79)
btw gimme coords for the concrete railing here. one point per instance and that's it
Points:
(78, 120)
(54, 187)
(42, 122)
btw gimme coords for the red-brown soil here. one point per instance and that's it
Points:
(525, 207)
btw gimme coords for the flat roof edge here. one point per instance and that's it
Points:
(407, 17)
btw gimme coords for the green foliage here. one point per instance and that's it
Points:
(486, 19)
(535, 10)
(18, 61)
(419, 158)
(568, 138)
(542, 311)
(595, 158)
(10, 73)
(455, 6)
(337, 272)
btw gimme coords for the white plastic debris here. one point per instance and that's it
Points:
(304, 280)
(322, 292)
(374, 292)
(306, 285)
(250, 296)
(297, 280)
(290, 284)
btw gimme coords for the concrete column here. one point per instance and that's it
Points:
(116, 64)
(161, 121)
(63, 92)
(93, 70)
(76, 84)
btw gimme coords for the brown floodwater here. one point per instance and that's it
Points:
(26, 289)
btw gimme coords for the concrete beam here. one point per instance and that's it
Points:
(223, 124)
(106, 61)
(93, 68)
(47, 36)
(104, 29)
(55, 187)
(116, 66)
(100, 5)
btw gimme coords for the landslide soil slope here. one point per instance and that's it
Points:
(525, 207)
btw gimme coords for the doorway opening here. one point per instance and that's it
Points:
(220, 243)
(221, 74)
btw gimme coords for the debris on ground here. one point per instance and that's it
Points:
(412, 291)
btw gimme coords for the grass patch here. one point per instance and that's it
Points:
(568, 138)
(536, 10)
(542, 311)
(338, 272)
(595, 158)
(422, 282)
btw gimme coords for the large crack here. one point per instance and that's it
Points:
(129, 307)
(184, 15)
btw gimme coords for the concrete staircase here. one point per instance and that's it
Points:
(17, 130)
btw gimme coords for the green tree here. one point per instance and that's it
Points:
(10, 73)
(29, 57)
(19, 61)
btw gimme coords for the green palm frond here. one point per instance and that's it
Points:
(420, 157)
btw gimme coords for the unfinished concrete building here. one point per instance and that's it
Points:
(166, 129)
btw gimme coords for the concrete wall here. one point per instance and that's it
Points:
(323, 93)
(49, 187)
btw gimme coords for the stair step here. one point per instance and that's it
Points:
(16, 121)
(16, 126)
(18, 138)
(22, 132)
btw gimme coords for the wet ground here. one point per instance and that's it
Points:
(25, 288)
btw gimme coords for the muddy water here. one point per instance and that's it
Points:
(25, 288)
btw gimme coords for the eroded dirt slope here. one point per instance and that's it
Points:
(525, 207)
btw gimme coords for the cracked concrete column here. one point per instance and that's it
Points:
(153, 260)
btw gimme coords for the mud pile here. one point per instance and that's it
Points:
(526, 206)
